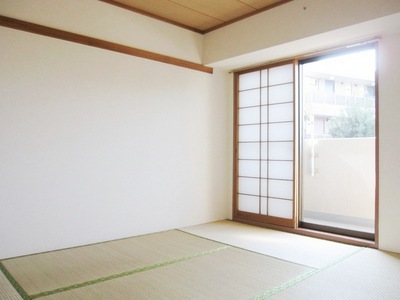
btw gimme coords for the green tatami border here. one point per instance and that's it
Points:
(264, 295)
(14, 283)
(25, 296)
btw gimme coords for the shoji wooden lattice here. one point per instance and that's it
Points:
(264, 162)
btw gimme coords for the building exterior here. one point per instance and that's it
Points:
(327, 96)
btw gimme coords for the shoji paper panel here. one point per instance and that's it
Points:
(265, 131)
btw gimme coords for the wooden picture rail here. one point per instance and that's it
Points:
(93, 42)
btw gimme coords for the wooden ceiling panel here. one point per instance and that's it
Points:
(223, 10)
(170, 11)
(198, 15)
(260, 4)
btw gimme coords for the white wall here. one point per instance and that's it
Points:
(97, 145)
(389, 145)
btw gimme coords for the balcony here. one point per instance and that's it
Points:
(339, 183)
(338, 100)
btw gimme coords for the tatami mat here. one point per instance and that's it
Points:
(7, 291)
(295, 248)
(371, 274)
(53, 270)
(220, 260)
(231, 273)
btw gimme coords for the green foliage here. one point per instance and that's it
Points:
(355, 122)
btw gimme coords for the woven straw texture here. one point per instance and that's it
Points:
(221, 260)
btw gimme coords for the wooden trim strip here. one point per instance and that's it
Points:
(93, 42)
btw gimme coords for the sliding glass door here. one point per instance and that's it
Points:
(305, 143)
(338, 142)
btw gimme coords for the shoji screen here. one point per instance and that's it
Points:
(264, 164)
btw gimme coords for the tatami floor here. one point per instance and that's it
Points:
(219, 260)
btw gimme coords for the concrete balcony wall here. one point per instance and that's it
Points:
(344, 177)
